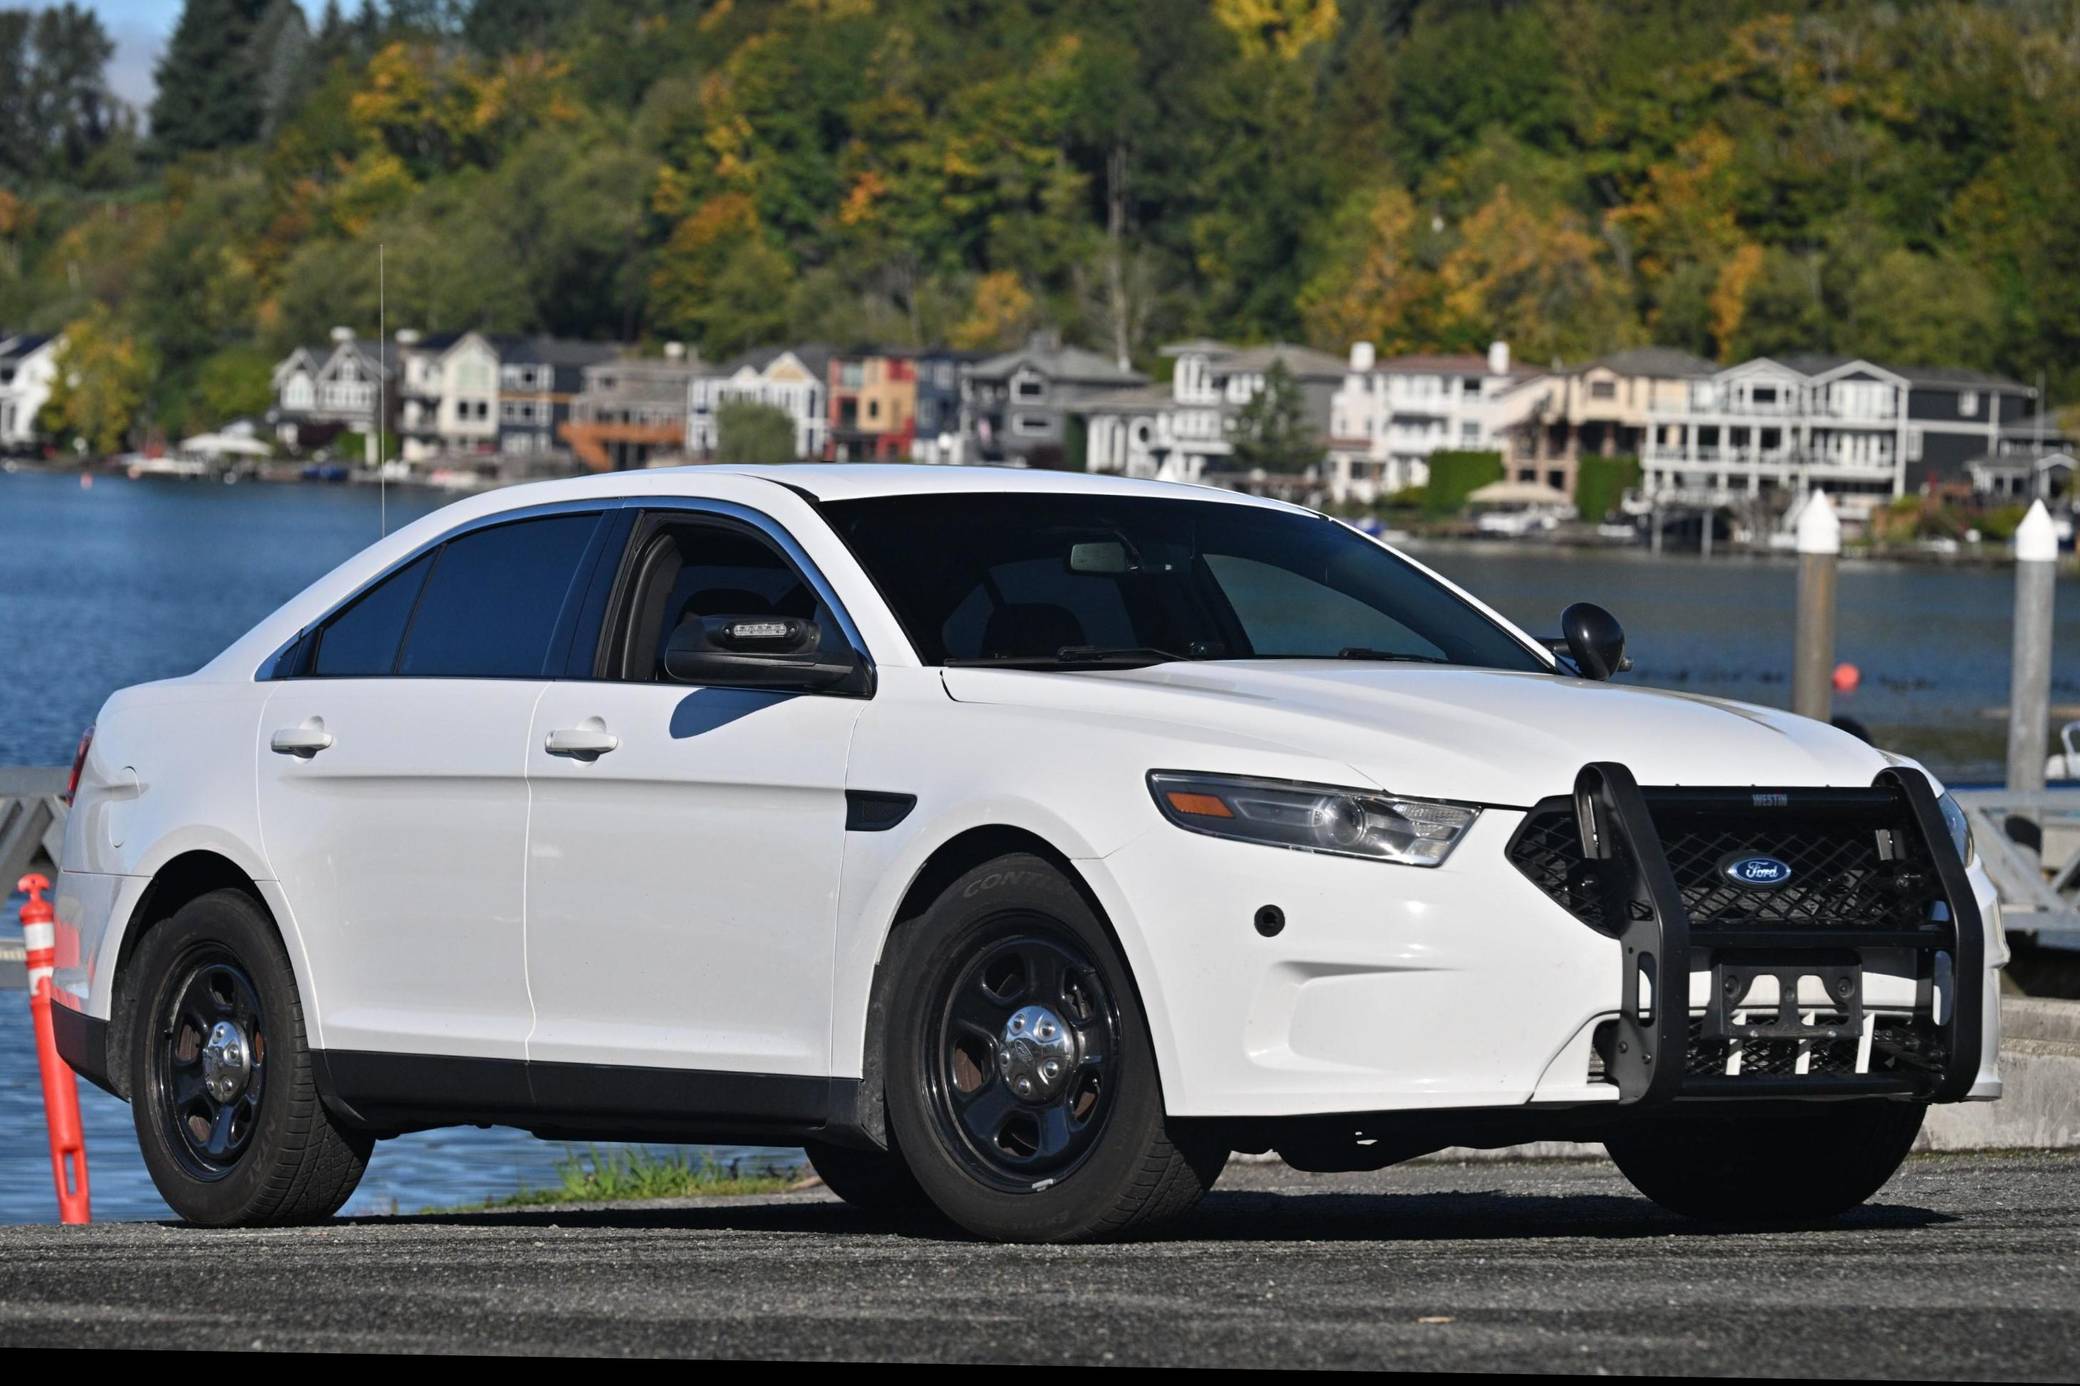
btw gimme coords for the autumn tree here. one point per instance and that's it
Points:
(102, 376)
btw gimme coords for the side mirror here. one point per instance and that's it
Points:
(775, 652)
(1593, 639)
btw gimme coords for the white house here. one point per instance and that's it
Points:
(1865, 431)
(790, 379)
(447, 394)
(1180, 432)
(1389, 416)
(320, 390)
(28, 369)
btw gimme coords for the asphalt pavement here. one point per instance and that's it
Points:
(1965, 1266)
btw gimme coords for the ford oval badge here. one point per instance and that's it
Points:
(1756, 872)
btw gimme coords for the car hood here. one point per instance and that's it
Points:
(1473, 734)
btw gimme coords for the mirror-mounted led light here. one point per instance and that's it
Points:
(759, 630)
(1312, 817)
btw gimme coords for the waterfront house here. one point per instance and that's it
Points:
(937, 436)
(1386, 418)
(539, 379)
(2034, 458)
(321, 392)
(1601, 409)
(447, 395)
(790, 379)
(1023, 405)
(1183, 431)
(872, 405)
(28, 369)
(631, 411)
(1866, 431)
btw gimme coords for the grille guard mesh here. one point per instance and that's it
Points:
(1870, 868)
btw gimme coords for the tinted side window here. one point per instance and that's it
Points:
(493, 602)
(362, 641)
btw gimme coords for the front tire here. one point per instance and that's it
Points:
(1805, 1166)
(1022, 1086)
(223, 1091)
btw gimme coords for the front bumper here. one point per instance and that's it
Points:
(1399, 989)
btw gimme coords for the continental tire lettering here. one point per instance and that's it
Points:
(997, 879)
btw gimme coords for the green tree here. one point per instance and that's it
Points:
(1456, 475)
(1271, 431)
(237, 382)
(1601, 482)
(752, 434)
(211, 95)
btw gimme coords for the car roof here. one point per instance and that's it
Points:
(845, 481)
(840, 481)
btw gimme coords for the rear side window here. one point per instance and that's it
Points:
(362, 641)
(495, 599)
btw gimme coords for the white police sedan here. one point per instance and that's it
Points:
(1019, 842)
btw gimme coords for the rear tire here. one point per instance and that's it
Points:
(1022, 1087)
(222, 1086)
(1805, 1166)
(873, 1181)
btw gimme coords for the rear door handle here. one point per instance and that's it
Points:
(303, 742)
(581, 743)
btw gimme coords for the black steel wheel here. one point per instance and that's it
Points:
(208, 1071)
(1022, 1086)
(1023, 1064)
(222, 1082)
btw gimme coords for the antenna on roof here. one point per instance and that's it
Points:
(382, 394)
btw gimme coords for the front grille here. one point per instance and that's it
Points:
(1847, 870)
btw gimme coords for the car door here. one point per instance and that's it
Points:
(393, 792)
(684, 848)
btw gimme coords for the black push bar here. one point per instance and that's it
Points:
(1645, 1055)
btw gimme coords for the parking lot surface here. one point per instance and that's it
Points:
(1965, 1266)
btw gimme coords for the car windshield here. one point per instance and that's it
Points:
(1078, 581)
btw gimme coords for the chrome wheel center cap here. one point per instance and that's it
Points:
(1035, 1053)
(227, 1061)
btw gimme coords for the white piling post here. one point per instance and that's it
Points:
(2029, 688)
(1819, 553)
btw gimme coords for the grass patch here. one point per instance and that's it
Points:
(622, 1176)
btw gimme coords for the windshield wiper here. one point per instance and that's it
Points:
(1073, 654)
(1095, 654)
(1388, 656)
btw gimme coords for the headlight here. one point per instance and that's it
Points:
(1313, 817)
(1960, 828)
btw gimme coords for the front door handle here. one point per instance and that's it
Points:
(581, 743)
(302, 742)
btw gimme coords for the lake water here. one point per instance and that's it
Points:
(139, 580)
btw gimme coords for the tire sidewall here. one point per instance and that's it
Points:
(229, 921)
(943, 940)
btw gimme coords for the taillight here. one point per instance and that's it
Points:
(79, 763)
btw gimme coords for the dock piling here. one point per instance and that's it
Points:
(1819, 555)
(2029, 693)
